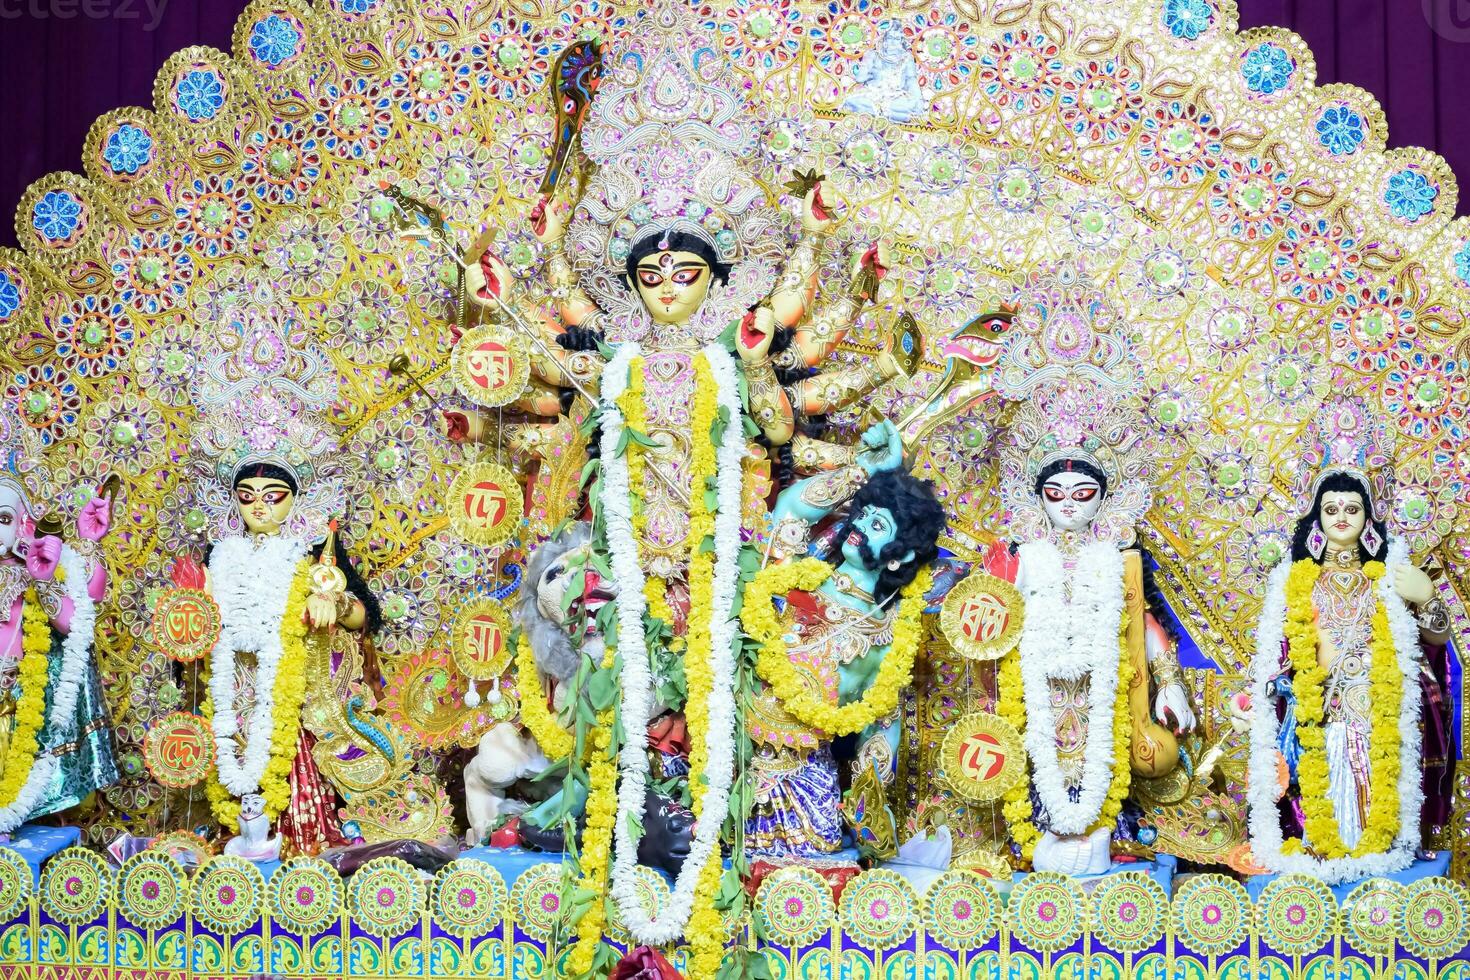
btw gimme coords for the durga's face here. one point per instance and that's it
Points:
(672, 285)
(264, 502)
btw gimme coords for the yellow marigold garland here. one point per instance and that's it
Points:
(776, 669)
(289, 692)
(1122, 758)
(30, 711)
(554, 740)
(699, 679)
(597, 834)
(1016, 805)
(1309, 682)
(1011, 706)
(705, 931)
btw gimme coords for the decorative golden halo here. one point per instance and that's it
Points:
(982, 757)
(982, 616)
(480, 642)
(491, 366)
(185, 624)
(485, 504)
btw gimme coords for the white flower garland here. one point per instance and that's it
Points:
(1264, 819)
(636, 708)
(1066, 640)
(250, 580)
(61, 717)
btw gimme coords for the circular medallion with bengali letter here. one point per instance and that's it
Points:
(491, 366)
(186, 624)
(480, 643)
(485, 504)
(981, 617)
(982, 757)
(178, 750)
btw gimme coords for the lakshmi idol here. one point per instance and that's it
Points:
(55, 742)
(283, 583)
(1351, 752)
(1094, 686)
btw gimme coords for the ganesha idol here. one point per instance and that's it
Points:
(1093, 687)
(55, 742)
(1351, 747)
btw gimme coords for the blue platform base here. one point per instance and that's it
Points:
(35, 844)
(1437, 866)
(1160, 869)
(511, 862)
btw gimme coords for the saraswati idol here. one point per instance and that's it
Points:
(1093, 686)
(1351, 753)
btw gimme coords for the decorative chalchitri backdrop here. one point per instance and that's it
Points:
(949, 487)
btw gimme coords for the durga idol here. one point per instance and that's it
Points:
(1094, 685)
(1351, 754)
(672, 271)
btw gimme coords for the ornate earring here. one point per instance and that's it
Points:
(1316, 541)
(1370, 538)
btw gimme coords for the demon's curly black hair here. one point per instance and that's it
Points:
(1338, 483)
(918, 521)
(355, 583)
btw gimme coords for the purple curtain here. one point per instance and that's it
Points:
(60, 69)
(65, 62)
